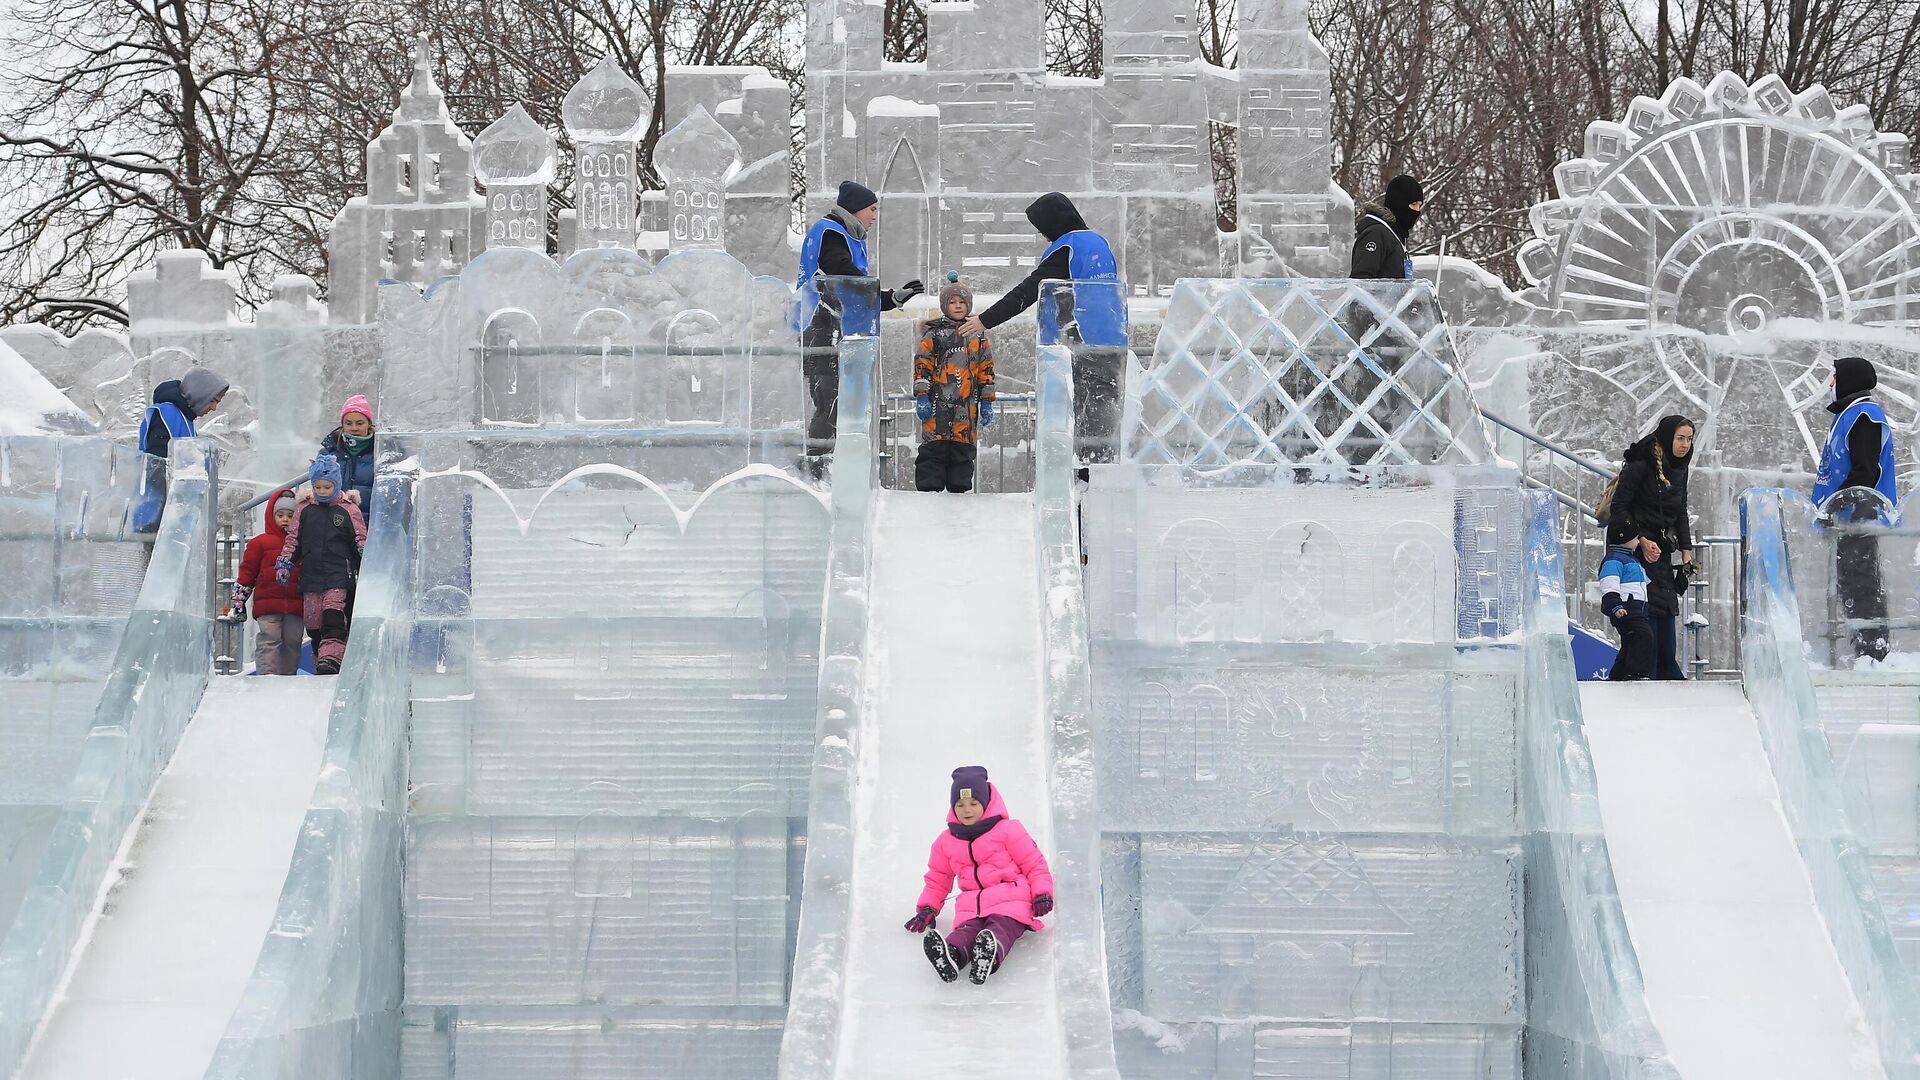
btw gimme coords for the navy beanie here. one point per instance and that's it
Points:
(855, 197)
(971, 778)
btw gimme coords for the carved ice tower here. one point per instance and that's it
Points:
(695, 159)
(417, 220)
(606, 113)
(514, 159)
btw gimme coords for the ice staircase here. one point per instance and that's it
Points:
(1740, 971)
(953, 677)
(177, 928)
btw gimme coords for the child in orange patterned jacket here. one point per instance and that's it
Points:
(952, 394)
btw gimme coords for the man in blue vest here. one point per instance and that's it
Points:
(1090, 318)
(835, 247)
(177, 403)
(1857, 458)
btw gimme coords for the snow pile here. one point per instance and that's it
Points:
(30, 405)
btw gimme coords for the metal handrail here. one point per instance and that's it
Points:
(1551, 447)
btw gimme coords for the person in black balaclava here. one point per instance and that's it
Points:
(1380, 232)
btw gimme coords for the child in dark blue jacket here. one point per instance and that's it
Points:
(1623, 588)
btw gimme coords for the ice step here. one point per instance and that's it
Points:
(1741, 976)
(953, 678)
(160, 973)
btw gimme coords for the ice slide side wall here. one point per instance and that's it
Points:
(1779, 686)
(159, 674)
(323, 1002)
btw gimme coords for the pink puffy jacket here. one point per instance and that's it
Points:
(1000, 872)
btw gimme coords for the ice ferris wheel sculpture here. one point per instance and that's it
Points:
(1752, 234)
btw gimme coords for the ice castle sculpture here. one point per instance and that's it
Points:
(958, 146)
(420, 217)
(513, 157)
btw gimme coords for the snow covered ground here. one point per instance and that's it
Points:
(953, 678)
(1741, 976)
(170, 950)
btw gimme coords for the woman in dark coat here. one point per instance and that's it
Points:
(1650, 505)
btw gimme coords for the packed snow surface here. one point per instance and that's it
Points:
(953, 678)
(170, 952)
(1741, 976)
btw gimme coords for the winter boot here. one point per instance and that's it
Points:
(326, 667)
(986, 956)
(945, 961)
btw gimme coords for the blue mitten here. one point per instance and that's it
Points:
(986, 411)
(923, 408)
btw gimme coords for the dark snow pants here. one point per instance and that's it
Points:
(1863, 596)
(1635, 660)
(820, 363)
(1666, 648)
(944, 465)
(1006, 929)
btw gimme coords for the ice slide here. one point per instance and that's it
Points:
(175, 933)
(1741, 974)
(953, 677)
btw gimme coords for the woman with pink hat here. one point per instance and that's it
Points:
(351, 444)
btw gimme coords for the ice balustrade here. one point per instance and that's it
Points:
(1334, 372)
(323, 1002)
(158, 672)
(810, 1043)
(613, 718)
(1812, 792)
(74, 571)
(1587, 1014)
(1080, 963)
(1307, 701)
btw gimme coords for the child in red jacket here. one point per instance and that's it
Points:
(1005, 886)
(276, 607)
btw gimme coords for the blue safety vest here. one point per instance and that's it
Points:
(807, 285)
(1836, 458)
(1100, 311)
(152, 499)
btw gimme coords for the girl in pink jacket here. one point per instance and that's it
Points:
(1004, 883)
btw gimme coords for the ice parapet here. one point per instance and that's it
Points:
(1308, 864)
(1301, 371)
(613, 720)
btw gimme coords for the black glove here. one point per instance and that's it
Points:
(1042, 904)
(908, 291)
(921, 920)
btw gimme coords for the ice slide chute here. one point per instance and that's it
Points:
(175, 937)
(1740, 973)
(953, 678)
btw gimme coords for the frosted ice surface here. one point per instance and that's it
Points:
(608, 775)
(1706, 866)
(605, 113)
(166, 961)
(513, 157)
(32, 405)
(1312, 862)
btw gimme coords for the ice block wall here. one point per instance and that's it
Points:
(1306, 697)
(72, 572)
(614, 694)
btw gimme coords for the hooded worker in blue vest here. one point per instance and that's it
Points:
(1090, 318)
(1857, 459)
(835, 247)
(177, 403)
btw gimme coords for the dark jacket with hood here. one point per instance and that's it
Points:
(1053, 216)
(1853, 379)
(325, 543)
(1650, 500)
(168, 393)
(1379, 247)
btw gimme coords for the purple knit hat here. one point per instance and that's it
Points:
(972, 779)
